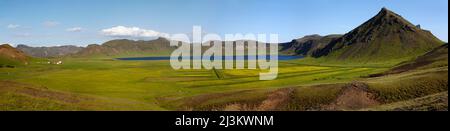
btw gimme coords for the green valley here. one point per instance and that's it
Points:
(383, 65)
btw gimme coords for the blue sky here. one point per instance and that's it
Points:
(82, 22)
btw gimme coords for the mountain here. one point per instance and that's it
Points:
(10, 56)
(127, 48)
(387, 36)
(307, 45)
(124, 47)
(55, 51)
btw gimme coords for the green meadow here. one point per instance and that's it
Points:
(110, 84)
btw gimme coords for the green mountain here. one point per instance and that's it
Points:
(124, 47)
(10, 56)
(54, 51)
(387, 36)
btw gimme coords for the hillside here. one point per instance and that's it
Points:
(9, 56)
(44, 52)
(387, 36)
(438, 57)
(307, 45)
(125, 47)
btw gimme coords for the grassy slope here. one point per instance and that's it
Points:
(400, 92)
(18, 96)
(410, 85)
(9, 62)
(387, 36)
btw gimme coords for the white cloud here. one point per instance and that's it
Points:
(132, 32)
(51, 23)
(74, 29)
(12, 26)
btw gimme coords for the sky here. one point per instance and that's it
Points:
(83, 22)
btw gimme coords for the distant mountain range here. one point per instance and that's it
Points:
(128, 47)
(54, 51)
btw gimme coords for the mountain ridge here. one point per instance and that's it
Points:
(307, 45)
(436, 58)
(127, 47)
(385, 36)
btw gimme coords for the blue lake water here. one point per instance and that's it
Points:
(280, 57)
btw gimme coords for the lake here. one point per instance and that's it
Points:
(280, 57)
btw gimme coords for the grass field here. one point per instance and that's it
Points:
(152, 85)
